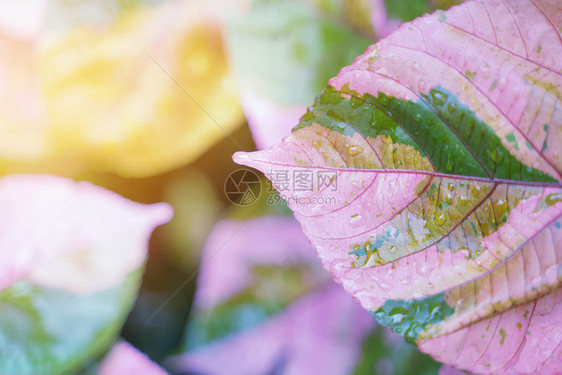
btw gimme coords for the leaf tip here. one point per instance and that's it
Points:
(161, 213)
(244, 158)
(240, 157)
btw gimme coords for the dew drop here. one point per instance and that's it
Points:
(435, 312)
(355, 219)
(355, 182)
(397, 318)
(354, 150)
(317, 209)
(438, 97)
(452, 107)
(440, 220)
(449, 165)
(499, 156)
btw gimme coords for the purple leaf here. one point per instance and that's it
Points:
(264, 304)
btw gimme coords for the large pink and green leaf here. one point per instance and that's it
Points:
(442, 211)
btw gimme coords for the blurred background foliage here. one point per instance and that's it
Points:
(146, 98)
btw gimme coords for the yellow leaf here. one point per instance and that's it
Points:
(112, 103)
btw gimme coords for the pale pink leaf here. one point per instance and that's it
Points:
(125, 359)
(71, 235)
(318, 334)
(317, 328)
(239, 247)
(269, 122)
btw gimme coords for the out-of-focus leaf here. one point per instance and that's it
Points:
(355, 14)
(71, 236)
(125, 359)
(387, 15)
(71, 257)
(51, 331)
(385, 353)
(406, 10)
(156, 322)
(269, 121)
(112, 105)
(269, 203)
(298, 50)
(283, 53)
(443, 4)
(140, 93)
(264, 305)
(62, 16)
(443, 140)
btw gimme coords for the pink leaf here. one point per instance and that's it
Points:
(435, 158)
(125, 359)
(317, 329)
(238, 247)
(523, 340)
(71, 236)
(319, 334)
(269, 121)
(382, 24)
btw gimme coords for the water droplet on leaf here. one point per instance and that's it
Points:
(354, 150)
(438, 98)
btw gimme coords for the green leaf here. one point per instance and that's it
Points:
(406, 10)
(287, 50)
(382, 354)
(49, 331)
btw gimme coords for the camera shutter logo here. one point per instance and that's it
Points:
(242, 187)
